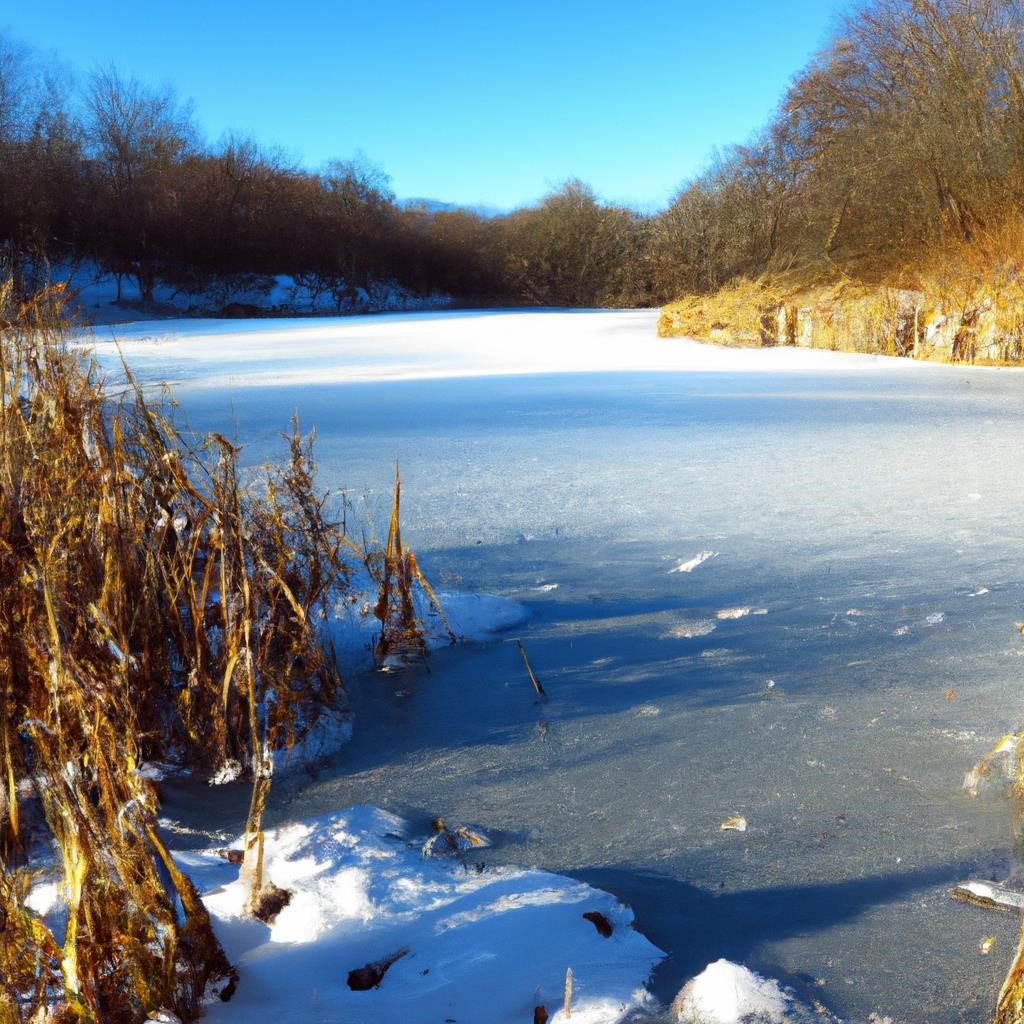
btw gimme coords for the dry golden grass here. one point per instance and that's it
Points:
(92, 592)
(150, 608)
(963, 301)
(734, 316)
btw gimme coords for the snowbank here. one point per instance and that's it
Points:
(484, 945)
(95, 295)
(477, 617)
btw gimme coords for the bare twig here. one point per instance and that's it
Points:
(541, 695)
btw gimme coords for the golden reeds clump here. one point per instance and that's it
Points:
(149, 608)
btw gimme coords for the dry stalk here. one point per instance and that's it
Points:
(538, 689)
(150, 608)
(395, 571)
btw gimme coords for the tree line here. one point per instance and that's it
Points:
(901, 140)
(905, 133)
(114, 172)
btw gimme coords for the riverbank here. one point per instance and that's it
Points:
(975, 322)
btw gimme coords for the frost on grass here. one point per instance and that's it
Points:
(494, 940)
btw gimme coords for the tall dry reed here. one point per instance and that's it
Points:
(150, 608)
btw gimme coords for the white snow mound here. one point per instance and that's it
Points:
(485, 945)
(478, 617)
(472, 617)
(727, 993)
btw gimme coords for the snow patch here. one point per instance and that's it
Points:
(478, 617)
(155, 771)
(732, 613)
(494, 941)
(689, 629)
(691, 564)
(229, 771)
(727, 993)
(44, 898)
(647, 711)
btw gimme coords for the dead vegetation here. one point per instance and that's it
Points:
(395, 572)
(879, 209)
(151, 608)
(362, 979)
(1009, 751)
(964, 304)
(839, 315)
(734, 315)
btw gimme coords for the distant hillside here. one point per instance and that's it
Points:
(437, 206)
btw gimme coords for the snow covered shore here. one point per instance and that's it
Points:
(445, 939)
(484, 945)
(458, 940)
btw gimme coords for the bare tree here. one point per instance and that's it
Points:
(138, 138)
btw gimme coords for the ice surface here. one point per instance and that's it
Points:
(589, 453)
(225, 354)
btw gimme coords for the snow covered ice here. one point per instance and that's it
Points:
(483, 946)
(691, 563)
(578, 448)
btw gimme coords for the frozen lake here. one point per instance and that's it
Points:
(865, 519)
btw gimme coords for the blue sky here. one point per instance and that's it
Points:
(488, 102)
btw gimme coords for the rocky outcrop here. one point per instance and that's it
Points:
(984, 328)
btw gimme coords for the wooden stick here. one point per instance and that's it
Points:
(541, 695)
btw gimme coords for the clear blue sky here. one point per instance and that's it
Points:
(488, 101)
